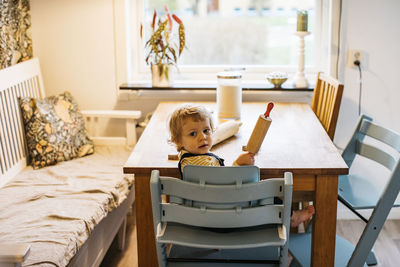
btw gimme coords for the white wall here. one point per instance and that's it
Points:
(74, 41)
(372, 27)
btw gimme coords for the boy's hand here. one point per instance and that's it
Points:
(245, 159)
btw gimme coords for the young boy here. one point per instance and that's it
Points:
(191, 130)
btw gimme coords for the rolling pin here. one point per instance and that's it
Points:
(260, 130)
(225, 130)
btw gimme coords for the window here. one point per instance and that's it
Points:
(221, 34)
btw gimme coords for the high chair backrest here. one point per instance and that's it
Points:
(217, 175)
(356, 145)
(231, 194)
(228, 175)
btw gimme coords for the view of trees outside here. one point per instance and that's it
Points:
(239, 32)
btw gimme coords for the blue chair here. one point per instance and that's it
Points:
(221, 215)
(377, 145)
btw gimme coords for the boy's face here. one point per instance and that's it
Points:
(196, 136)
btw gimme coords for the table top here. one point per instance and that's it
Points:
(296, 142)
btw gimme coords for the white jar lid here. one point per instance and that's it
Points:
(229, 75)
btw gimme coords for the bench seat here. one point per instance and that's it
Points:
(54, 209)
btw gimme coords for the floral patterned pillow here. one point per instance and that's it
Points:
(54, 129)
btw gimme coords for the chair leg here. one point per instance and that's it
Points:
(284, 255)
(376, 221)
(161, 254)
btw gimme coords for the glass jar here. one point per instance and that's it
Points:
(229, 94)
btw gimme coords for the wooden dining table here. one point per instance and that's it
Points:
(296, 142)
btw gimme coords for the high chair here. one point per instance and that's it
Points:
(221, 215)
(377, 145)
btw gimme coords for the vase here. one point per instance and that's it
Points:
(161, 75)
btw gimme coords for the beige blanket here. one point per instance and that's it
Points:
(54, 209)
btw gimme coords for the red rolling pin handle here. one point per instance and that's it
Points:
(269, 108)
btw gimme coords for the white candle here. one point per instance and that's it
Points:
(302, 20)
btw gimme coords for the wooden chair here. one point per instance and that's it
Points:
(376, 145)
(224, 217)
(325, 104)
(326, 101)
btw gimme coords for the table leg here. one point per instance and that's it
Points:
(324, 221)
(147, 256)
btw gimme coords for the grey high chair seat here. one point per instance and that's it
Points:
(358, 191)
(221, 215)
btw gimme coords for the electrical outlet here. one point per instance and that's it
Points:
(353, 55)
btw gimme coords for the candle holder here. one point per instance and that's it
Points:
(299, 79)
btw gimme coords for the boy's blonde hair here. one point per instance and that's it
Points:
(188, 111)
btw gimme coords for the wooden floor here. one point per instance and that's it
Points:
(128, 258)
(387, 247)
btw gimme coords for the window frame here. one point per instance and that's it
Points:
(325, 43)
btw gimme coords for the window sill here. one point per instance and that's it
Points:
(202, 86)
